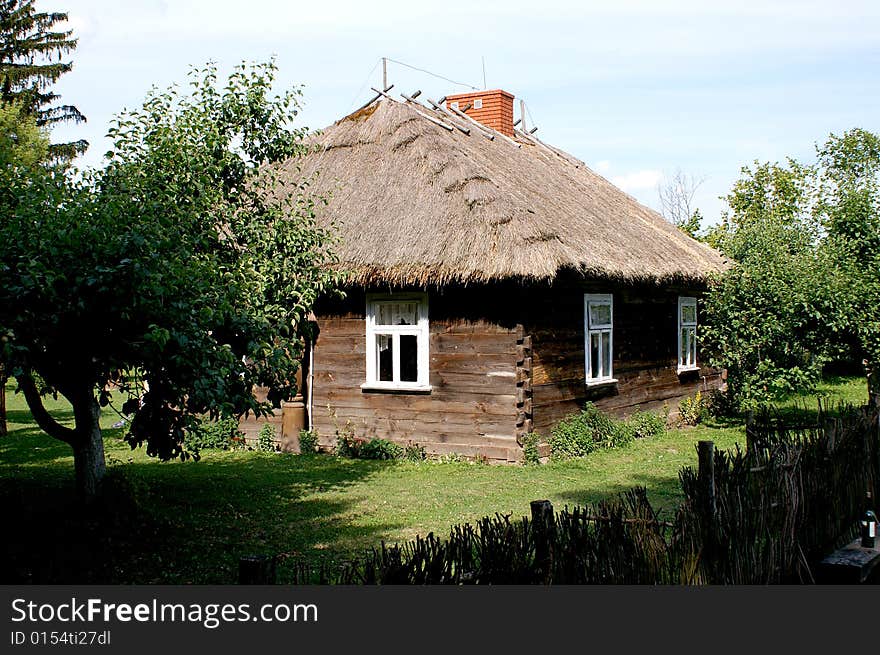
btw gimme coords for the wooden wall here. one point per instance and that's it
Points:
(505, 359)
(471, 409)
(645, 354)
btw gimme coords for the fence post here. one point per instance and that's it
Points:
(706, 474)
(256, 569)
(750, 431)
(543, 531)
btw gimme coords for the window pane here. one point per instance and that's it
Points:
(688, 313)
(397, 313)
(606, 354)
(692, 351)
(384, 357)
(594, 354)
(600, 314)
(409, 358)
(683, 353)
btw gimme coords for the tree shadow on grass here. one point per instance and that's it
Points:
(183, 522)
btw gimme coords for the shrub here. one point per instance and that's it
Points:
(380, 449)
(266, 439)
(646, 424)
(308, 442)
(214, 435)
(415, 452)
(580, 434)
(692, 410)
(531, 454)
(348, 445)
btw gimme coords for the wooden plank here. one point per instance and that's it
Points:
(453, 403)
(449, 343)
(403, 430)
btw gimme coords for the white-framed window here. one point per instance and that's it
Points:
(397, 342)
(599, 337)
(687, 333)
(478, 103)
(454, 105)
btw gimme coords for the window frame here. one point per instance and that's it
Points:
(684, 366)
(589, 329)
(421, 331)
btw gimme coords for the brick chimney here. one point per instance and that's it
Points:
(491, 108)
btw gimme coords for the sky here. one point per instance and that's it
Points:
(637, 89)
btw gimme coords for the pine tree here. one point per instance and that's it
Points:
(28, 46)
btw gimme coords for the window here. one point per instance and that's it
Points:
(687, 334)
(454, 105)
(478, 103)
(397, 342)
(598, 337)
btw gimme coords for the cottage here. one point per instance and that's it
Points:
(497, 283)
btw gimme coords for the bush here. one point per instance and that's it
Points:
(348, 445)
(308, 442)
(380, 449)
(415, 452)
(646, 424)
(531, 454)
(693, 410)
(266, 439)
(580, 434)
(214, 435)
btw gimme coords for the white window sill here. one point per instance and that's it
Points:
(600, 383)
(687, 369)
(390, 387)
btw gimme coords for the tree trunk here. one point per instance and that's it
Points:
(85, 439)
(88, 446)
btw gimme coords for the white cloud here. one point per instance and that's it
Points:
(638, 180)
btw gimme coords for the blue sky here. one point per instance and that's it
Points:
(637, 89)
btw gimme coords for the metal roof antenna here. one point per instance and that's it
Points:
(385, 73)
(484, 73)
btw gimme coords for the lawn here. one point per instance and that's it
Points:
(188, 522)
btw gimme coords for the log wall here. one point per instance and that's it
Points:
(645, 352)
(472, 407)
(505, 360)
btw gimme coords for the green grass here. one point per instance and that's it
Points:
(188, 522)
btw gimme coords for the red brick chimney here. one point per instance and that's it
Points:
(491, 108)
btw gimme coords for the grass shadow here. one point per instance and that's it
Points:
(183, 522)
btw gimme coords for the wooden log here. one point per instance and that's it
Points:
(373, 99)
(256, 569)
(544, 535)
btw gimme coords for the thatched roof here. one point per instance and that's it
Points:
(417, 203)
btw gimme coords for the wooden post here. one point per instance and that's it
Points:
(544, 534)
(706, 474)
(3, 379)
(750, 431)
(256, 569)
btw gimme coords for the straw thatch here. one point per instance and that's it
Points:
(417, 203)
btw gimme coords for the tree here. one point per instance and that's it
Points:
(30, 62)
(804, 288)
(183, 267)
(849, 209)
(676, 201)
(23, 149)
